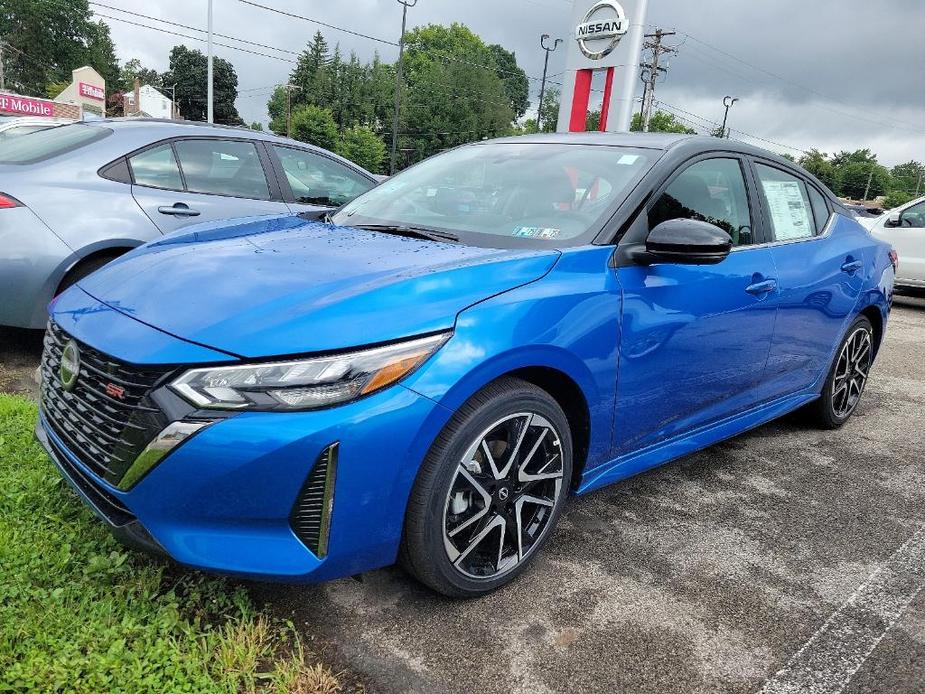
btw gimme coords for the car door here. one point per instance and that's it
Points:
(191, 180)
(695, 338)
(905, 231)
(313, 182)
(819, 256)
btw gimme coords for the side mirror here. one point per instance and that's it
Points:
(895, 219)
(688, 242)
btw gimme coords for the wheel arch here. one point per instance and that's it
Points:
(554, 370)
(873, 314)
(111, 250)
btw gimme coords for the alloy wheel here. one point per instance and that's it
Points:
(851, 372)
(502, 495)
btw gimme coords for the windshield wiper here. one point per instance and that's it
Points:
(410, 231)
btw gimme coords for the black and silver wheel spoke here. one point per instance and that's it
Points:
(503, 495)
(851, 372)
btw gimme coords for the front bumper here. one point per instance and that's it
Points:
(222, 500)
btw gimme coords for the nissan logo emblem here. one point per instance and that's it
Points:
(69, 368)
(603, 27)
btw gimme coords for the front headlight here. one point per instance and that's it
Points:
(305, 384)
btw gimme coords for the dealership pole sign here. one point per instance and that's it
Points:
(607, 37)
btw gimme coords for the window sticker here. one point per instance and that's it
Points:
(537, 232)
(628, 159)
(789, 213)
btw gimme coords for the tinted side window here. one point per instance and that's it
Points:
(820, 208)
(787, 203)
(223, 167)
(913, 216)
(711, 191)
(156, 167)
(317, 180)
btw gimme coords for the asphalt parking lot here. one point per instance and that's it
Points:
(784, 560)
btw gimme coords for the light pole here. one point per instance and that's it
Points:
(209, 95)
(401, 54)
(555, 45)
(728, 102)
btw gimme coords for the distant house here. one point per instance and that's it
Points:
(146, 101)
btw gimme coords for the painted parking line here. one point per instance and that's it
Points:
(827, 662)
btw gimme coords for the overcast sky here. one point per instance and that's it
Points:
(832, 74)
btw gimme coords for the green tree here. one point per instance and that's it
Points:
(820, 166)
(45, 41)
(310, 75)
(909, 177)
(852, 180)
(549, 114)
(514, 79)
(362, 146)
(188, 70)
(132, 70)
(661, 122)
(896, 198)
(256, 126)
(314, 125)
(276, 107)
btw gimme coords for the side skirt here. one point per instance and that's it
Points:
(639, 461)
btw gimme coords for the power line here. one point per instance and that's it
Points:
(652, 69)
(319, 22)
(905, 125)
(192, 28)
(194, 38)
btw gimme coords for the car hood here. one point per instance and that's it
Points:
(284, 285)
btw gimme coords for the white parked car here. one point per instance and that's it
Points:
(23, 125)
(904, 228)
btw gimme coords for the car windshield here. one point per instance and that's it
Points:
(49, 143)
(506, 194)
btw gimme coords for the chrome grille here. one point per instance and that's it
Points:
(106, 420)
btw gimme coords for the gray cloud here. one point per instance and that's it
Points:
(852, 71)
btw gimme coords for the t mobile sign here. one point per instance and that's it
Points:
(91, 92)
(10, 103)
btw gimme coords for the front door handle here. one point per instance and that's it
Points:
(851, 266)
(178, 209)
(762, 287)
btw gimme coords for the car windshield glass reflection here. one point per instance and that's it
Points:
(541, 193)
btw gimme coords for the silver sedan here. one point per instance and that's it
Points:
(75, 197)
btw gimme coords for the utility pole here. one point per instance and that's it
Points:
(2, 75)
(289, 88)
(870, 177)
(728, 102)
(398, 79)
(209, 95)
(918, 185)
(555, 45)
(654, 44)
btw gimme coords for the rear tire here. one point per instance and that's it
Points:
(489, 492)
(847, 377)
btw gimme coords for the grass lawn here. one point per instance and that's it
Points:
(80, 613)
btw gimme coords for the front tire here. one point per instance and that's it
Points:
(847, 377)
(489, 492)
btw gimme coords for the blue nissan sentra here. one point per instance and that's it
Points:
(426, 374)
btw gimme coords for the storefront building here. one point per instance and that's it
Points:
(84, 97)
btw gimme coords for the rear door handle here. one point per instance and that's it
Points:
(851, 266)
(178, 209)
(762, 287)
